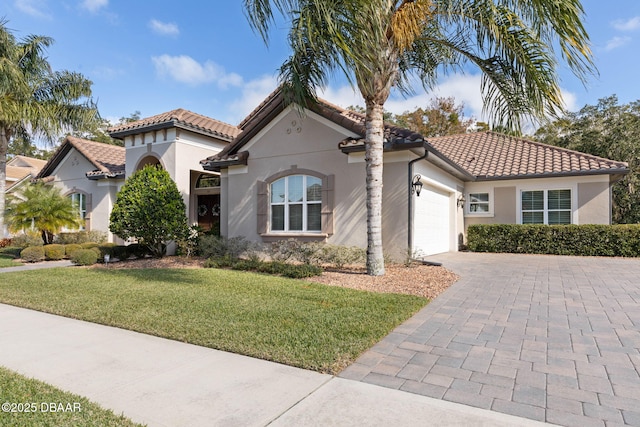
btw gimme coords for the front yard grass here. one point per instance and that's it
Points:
(298, 323)
(8, 261)
(29, 402)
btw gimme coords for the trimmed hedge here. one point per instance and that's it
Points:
(583, 240)
(54, 252)
(84, 256)
(32, 254)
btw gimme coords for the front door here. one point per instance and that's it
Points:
(209, 213)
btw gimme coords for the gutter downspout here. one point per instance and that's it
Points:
(410, 200)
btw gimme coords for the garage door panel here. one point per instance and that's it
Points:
(431, 222)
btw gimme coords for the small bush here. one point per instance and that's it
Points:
(295, 271)
(84, 257)
(219, 247)
(70, 248)
(27, 239)
(33, 254)
(89, 245)
(54, 252)
(120, 251)
(4, 243)
(107, 249)
(339, 256)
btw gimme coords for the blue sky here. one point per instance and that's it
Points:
(156, 56)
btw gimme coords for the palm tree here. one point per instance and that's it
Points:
(385, 44)
(41, 207)
(34, 100)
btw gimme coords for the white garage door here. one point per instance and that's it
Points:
(431, 222)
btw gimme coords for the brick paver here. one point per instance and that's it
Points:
(550, 338)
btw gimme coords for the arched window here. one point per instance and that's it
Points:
(207, 181)
(296, 204)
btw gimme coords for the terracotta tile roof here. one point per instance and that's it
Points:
(26, 162)
(178, 118)
(20, 168)
(489, 155)
(108, 160)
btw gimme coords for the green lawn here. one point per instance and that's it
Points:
(29, 402)
(294, 322)
(8, 261)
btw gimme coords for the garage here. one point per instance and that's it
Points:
(432, 222)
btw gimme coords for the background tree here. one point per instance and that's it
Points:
(34, 100)
(150, 208)
(608, 130)
(440, 118)
(97, 130)
(22, 145)
(42, 207)
(384, 44)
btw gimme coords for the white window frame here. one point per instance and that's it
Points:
(77, 198)
(467, 203)
(286, 203)
(546, 210)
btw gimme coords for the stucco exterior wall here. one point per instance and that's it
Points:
(594, 202)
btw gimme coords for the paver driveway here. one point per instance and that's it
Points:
(550, 338)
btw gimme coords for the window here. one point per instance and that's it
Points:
(546, 207)
(478, 203)
(296, 203)
(207, 181)
(79, 201)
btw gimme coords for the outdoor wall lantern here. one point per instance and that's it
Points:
(461, 201)
(416, 185)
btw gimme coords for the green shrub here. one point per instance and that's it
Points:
(84, 257)
(339, 256)
(89, 245)
(80, 237)
(583, 240)
(54, 252)
(296, 271)
(32, 254)
(218, 247)
(107, 249)
(29, 238)
(70, 248)
(12, 251)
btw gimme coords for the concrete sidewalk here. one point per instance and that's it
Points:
(167, 383)
(38, 266)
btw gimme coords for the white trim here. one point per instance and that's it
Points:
(238, 170)
(467, 204)
(573, 187)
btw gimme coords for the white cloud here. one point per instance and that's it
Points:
(35, 8)
(253, 93)
(164, 28)
(631, 24)
(185, 69)
(616, 42)
(94, 5)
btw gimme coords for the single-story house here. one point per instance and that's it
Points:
(280, 174)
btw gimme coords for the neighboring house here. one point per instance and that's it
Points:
(281, 175)
(21, 169)
(178, 140)
(90, 173)
(291, 176)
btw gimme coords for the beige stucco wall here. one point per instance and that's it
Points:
(70, 177)
(594, 202)
(312, 143)
(591, 200)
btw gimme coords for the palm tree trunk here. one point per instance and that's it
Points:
(374, 161)
(4, 147)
